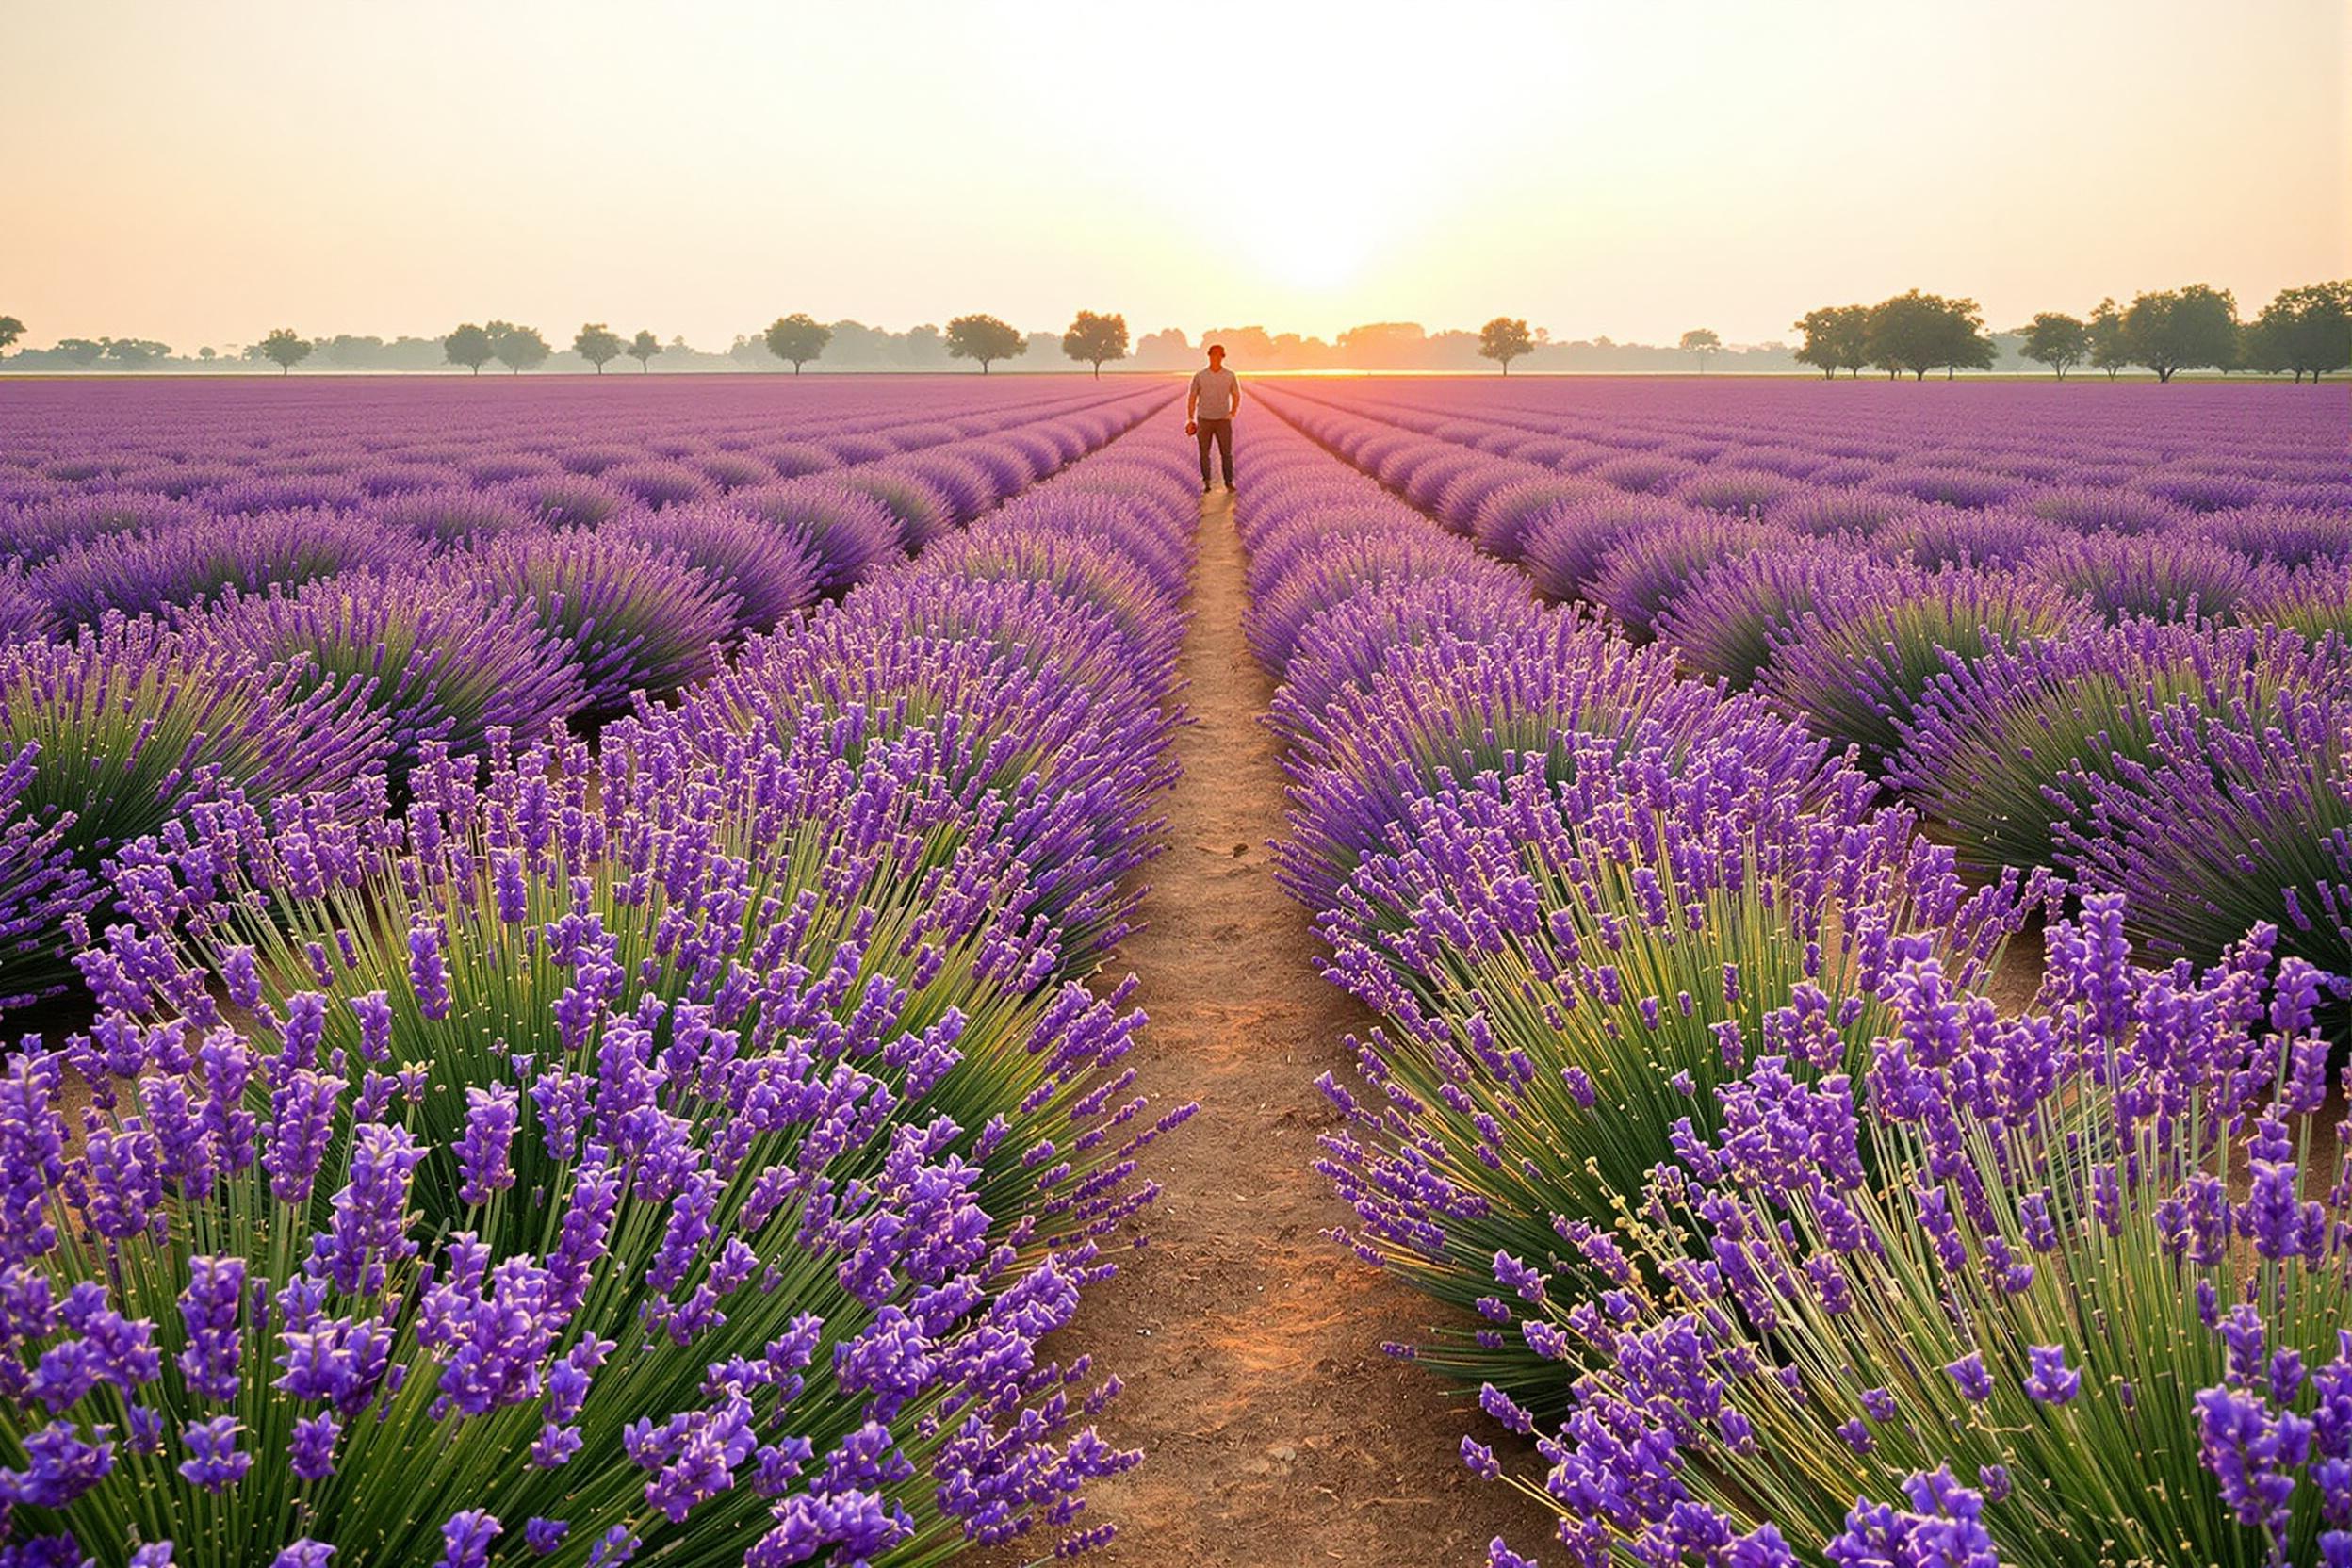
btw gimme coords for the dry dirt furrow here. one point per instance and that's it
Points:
(1276, 1432)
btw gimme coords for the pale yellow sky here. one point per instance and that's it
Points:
(200, 172)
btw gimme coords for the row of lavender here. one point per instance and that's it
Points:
(289, 652)
(1784, 1237)
(676, 1151)
(2097, 677)
(2201, 449)
(257, 487)
(386, 436)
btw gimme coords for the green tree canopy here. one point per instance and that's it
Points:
(10, 330)
(518, 349)
(284, 349)
(2305, 330)
(1920, 332)
(642, 348)
(134, 353)
(1504, 340)
(799, 337)
(1091, 339)
(80, 350)
(2057, 340)
(470, 345)
(984, 339)
(1704, 342)
(2109, 351)
(597, 344)
(2182, 329)
(1836, 337)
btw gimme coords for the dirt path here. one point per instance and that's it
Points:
(1276, 1433)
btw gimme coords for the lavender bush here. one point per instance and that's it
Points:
(633, 619)
(1566, 973)
(141, 572)
(1724, 620)
(2056, 1329)
(768, 575)
(129, 728)
(2161, 577)
(2235, 819)
(442, 662)
(1999, 749)
(1858, 665)
(847, 536)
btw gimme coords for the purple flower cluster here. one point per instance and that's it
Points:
(441, 659)
(131, 729)
(1787, 1239)
(689, 1140)
(1947, 1276)
(1580, 891)
(390, 574)
(136, 574)
(1854, 562)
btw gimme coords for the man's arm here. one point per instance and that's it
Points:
(1192, 398)
(1237, 408)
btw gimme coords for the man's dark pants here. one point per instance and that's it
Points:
(1220, 432)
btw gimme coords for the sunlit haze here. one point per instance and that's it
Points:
(202, 174)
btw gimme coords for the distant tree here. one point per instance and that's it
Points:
(470, 345)
(80, 350)
(2308, 329)
(643, 347)
(2181, 329)
(135, 354)
(518, 349)
(1702, 341)
(1504, 340)
(1254, 346)
(1165, 350)
(799, 337)
(1836, 337)
(1920, 332)
(284, 349)
(10, 330)
(1969, 346)
(597, 344)
(2057, 340)
(984, 339)
(206, 354)
(1092, 339)
(2110, 350)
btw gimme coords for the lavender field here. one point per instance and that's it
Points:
(568, 944)
(1675, 769)
(583, 904)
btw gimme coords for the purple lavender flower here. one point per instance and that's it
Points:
(138, 573)
(2051, 1381)
(467, 1536)
(633, 618)
(1858, 664)
(442, 662)
(768, 576)
(214, 1461)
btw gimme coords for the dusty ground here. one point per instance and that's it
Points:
(1276, 1434)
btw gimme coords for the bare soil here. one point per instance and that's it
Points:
(1276, 1432)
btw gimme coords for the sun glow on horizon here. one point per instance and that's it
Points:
(1595, 167)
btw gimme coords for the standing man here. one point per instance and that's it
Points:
(1209, 413)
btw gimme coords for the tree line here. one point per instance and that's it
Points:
(2306, 330)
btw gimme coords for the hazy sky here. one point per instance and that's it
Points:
(200, 172)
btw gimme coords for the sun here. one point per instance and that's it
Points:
(1310, 249)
